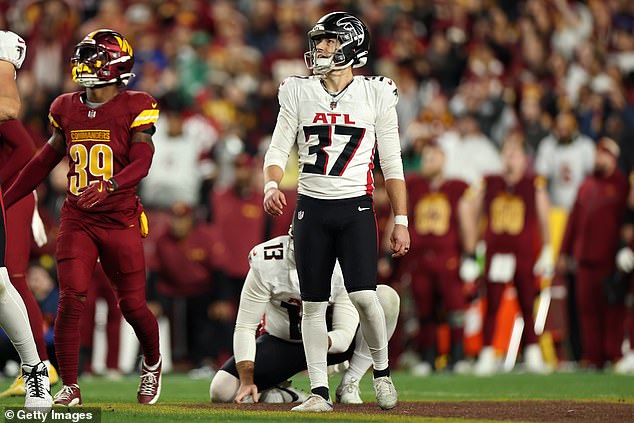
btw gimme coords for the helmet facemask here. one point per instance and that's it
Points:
(95, 65)
(322, 62)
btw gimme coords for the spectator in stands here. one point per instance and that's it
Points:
(564, 157)
(182, 159)
(469, 153)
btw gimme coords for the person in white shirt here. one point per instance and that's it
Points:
(565, 158)
(13, 315)
(470, 155)
(337, 119)
(258, 371)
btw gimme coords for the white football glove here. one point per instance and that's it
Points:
(37, 226)
(545, 264)
(12, 48)
(469, 269)
(625, 260)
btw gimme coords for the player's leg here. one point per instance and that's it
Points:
(590, 308)
(487, 361)
(17, 259)
(526, 294)
(270, 371)
(123, 260)
(113, 322)
(17, 262)
(453, 298)
(76, 255)
(361, 360)
(315, 259)
(422, 290)
(357, 251)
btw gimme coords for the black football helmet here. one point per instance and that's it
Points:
(354, 43)
(102, 58)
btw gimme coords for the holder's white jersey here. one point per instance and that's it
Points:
(272, 288)
(336, 136)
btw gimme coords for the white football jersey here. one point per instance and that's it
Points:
(336, 136)
(276, 280)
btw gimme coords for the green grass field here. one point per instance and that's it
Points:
(183, 399)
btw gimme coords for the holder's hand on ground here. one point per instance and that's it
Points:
(245, 391)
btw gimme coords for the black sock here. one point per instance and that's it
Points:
(322, 391)
(382, 373)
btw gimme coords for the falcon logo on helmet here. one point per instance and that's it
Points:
(103, 57)
(354, 43)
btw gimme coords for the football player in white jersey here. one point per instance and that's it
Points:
(336, 119)
(259, 370)
(13, 316)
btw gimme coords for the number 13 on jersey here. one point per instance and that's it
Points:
(89, 163)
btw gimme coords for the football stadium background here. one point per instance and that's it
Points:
(214, 67)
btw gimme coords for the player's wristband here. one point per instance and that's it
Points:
(270, 185)
(400, 220)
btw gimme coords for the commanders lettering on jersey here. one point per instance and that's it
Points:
(432, 214)
(90, 135)
(507, 214)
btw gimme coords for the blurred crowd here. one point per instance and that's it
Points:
(558, 74)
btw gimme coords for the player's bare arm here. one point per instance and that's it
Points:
(399, 240)
(247, 386)
(274, 199)
(9, 97)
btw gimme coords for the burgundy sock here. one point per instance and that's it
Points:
(69, 313)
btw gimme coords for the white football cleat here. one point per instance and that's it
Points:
(462, 367)
(37, 387)
(386, 396)
(625, 366)
(533, 360)
(314, 404)
(348, 393)
(487, 363)
(421, 369)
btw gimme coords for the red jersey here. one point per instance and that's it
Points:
(98, 142)
(594, 224)
(511, 214)
(433, 212)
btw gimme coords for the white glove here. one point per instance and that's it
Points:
(545, 264)
(625, 260)
(37, 226)
(469, 269)
(12, 48)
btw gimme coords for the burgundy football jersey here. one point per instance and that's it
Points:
(98, 142)
(511, 213)
(434, 214)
